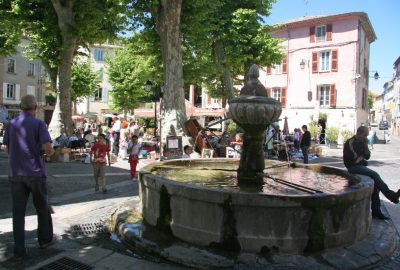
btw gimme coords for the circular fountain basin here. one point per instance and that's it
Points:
(298, 209)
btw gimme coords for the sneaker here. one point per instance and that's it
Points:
(379, 215)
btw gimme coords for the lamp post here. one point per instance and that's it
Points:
(148, 87)
(376, 74)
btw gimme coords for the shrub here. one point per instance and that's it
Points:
(346, 134)
(313, 130)
(332, 134)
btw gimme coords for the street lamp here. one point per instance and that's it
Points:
(148, 87)
(376, 74)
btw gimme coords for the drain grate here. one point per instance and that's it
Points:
(88, 229)
(65, 263)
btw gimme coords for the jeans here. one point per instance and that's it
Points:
(379, 186)
(21, 186)
(304, 150)
(116, 143)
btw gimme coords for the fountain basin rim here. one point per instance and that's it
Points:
(352, 191)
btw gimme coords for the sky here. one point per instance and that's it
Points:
(383, 15)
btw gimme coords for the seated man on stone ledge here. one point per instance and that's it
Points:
(355, 156)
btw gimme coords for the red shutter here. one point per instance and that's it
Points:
(283, 97)
(284, 66)
(269, 70)
(333, 96)
(312, 34)
(269, 93)
(329, 32)
(335, 60)
(314, 62)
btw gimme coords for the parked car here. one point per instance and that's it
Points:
(383, 125)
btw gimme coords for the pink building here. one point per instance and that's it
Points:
(326, 69)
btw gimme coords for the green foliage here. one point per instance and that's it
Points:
(323, 116)
(128, 72)
(332, 134)
(370, 100)
(83, 81)
(232, 128)
(312, 127)
(346, 134)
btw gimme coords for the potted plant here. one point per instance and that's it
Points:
(332, 135)
(346, 134)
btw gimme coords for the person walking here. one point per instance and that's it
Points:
(355, 156)
(134, 150)
(27, 139)
(98, 154)
(305, 143)
(116, 128)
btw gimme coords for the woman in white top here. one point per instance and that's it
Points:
(134, 148)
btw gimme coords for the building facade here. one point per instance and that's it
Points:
(325, 70)
(100, 103)
(20, 76)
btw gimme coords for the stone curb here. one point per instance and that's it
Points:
(376, 248)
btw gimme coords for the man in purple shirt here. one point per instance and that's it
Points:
(27, 139)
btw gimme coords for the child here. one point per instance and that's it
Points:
(99, 151)
(134, 150)
(187, 150)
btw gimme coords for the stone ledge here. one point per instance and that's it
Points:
(376, 248)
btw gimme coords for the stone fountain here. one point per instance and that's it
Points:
(253, 206)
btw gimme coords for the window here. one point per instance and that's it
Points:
(99, 55)
(324, 95)
(325, 61)
(31, 69)
(10, 91)
(320, 33)
(11, 65)
(277, 69)
(276, 94)
(98, 95)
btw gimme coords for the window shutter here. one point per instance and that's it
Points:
(269, 70)
(284, 66)
(314, 62)
(329, 32)
(312, 34)
(17, 92)
(4, 91)
(334, 60)
(283, 97)
(269, 92)
(333, 96)
(317, 94)
(104, 95)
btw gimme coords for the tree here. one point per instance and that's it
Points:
(371, 98)
(129, 70)
(84, 82)
(57, 28)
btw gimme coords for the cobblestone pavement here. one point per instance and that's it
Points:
(72, 195)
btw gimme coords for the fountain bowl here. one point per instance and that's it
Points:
(254, 221)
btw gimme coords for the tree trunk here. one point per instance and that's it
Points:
(168, 18)
(226, 75)
(226, 78)
(67, 25)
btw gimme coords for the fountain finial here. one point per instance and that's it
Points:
(254, 87)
